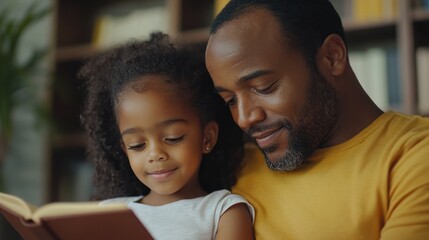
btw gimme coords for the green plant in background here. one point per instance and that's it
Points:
(15, 75)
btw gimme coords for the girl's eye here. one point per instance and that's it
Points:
(175, 139)
(137, 147)
(266, 90)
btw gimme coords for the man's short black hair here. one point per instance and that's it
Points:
(305, 23)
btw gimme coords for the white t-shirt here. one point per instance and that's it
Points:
(196, 218)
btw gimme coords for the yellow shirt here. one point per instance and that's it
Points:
(374, 186)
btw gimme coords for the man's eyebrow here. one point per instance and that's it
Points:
(253, 75)
(245, 78)
(219, 89)
(161, 124)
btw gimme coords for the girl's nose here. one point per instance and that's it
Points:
(157, 154)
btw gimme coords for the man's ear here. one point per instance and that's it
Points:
(332, 56)
(211, 132)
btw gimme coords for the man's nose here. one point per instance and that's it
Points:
(248, 113)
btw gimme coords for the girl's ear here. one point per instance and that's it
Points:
(211, 132)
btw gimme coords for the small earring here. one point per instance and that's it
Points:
(207, 148)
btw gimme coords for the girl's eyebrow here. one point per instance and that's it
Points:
(131, 131)
(171, 121)
(165, 123)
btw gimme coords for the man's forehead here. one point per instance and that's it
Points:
(249, 30)
(223, 44)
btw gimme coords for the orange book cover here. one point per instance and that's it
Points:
(71, 220)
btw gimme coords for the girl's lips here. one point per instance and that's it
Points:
(267, 139)
(162, 174)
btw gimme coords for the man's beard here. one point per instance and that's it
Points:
(315, 121)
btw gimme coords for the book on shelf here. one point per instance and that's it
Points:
(71, 220)
(421, 4)
(370, 67)
(372, 10)
(123, 22)
(344, 8)
(219, 5)
(376, 81)
(422, 64)
(393, 78)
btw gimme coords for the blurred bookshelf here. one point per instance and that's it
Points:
(389, 38)
(384, 37)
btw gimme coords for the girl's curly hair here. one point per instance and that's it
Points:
(105, 77)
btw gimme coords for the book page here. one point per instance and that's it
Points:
(17, 205)
(74, 208)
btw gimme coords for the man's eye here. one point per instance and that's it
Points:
(136, 147)
(174, 140)
(265, 90)
(231, 102)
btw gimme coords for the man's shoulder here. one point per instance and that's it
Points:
(406, 120)
(407, 127)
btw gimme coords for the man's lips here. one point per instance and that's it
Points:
(162, 174)
(267, 138)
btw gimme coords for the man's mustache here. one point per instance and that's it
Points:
(258, 128)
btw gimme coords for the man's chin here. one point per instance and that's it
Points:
(273, 154)
(284, 163)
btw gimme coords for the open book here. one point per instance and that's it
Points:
(73, 220)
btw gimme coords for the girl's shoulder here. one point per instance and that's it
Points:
(224, 195)
(124, 200)
(224, 199)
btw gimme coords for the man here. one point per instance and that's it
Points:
(338, 167)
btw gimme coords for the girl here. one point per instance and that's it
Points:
(164, 142)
